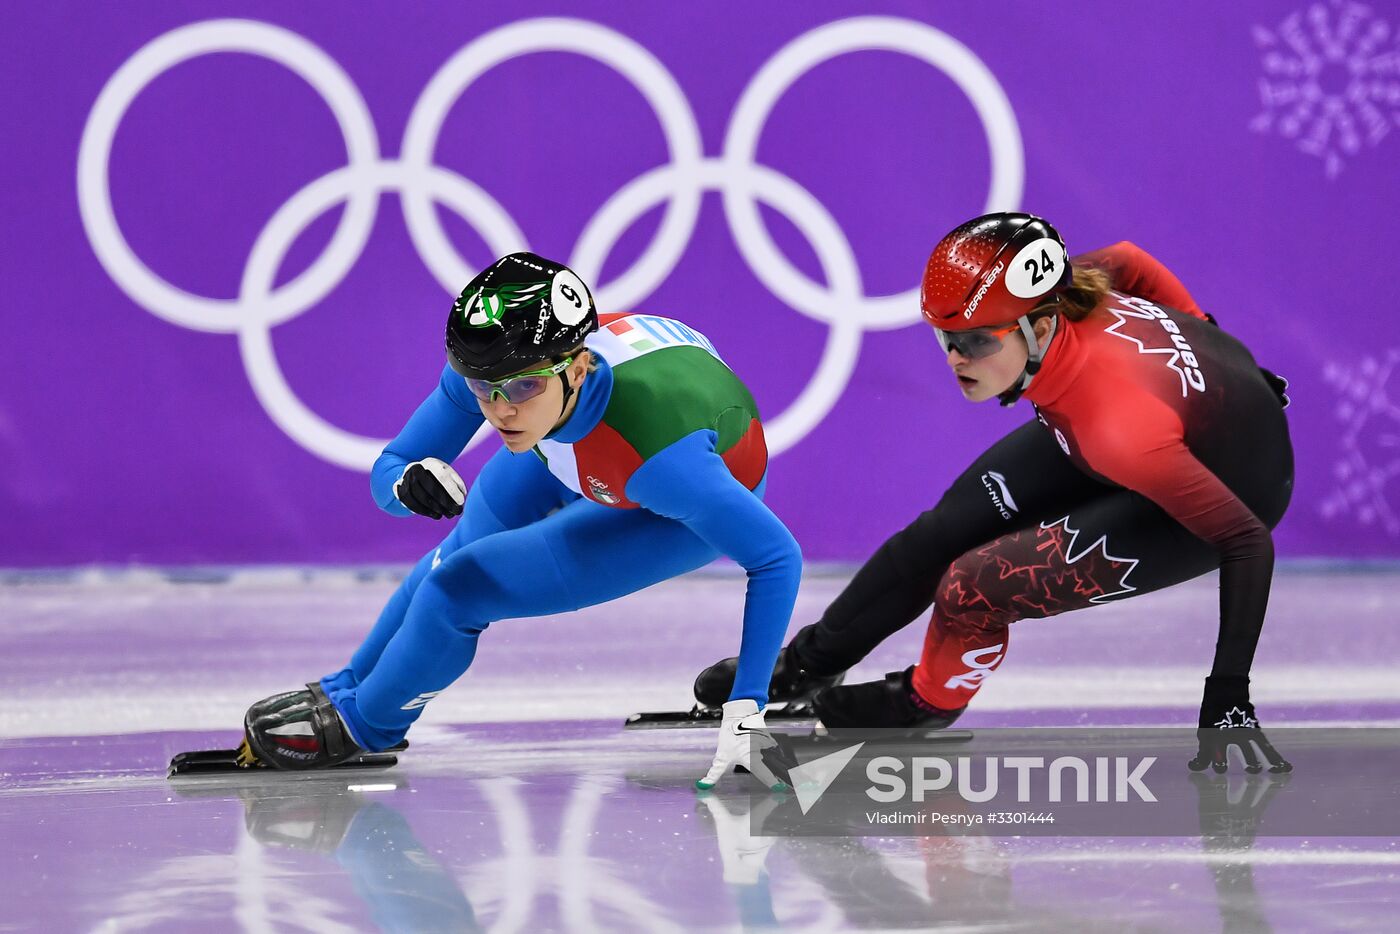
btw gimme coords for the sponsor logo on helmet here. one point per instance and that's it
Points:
(976, 299)
(541, 320)
(599, 491)
(486, 306)
(1000, 494)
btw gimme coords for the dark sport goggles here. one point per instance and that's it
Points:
(977, 343)
(519, 388)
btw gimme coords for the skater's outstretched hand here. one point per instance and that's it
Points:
(1228, 719)
(431, 488)
(742, 734)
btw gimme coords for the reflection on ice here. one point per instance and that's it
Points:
(602, 831)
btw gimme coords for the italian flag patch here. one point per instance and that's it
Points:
(643, 333)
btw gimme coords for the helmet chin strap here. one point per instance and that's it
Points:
(1034, 357)
(568, 391)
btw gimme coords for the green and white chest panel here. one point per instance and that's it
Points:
(620, 340)
(562, 462)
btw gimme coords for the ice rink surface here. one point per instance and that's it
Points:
(523, 806)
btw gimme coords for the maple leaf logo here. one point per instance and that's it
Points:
(1229, 721)
(1031, 574)
(1086, 569)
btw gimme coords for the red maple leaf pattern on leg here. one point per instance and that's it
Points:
(1031, 573)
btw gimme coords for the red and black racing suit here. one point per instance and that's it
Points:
(1159, 452)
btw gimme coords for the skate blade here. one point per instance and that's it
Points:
(697, 716)
(241, 761)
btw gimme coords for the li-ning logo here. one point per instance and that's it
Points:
(1180, 356)
(980, 670)
(981, 293)
(1001, 500)
(599, 491)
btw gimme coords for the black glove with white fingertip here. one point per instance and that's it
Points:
(1228, 719)
(431, 488)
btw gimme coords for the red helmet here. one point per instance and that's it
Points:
(992, 270)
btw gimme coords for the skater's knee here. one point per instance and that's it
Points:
(966, 605)
(465, 591)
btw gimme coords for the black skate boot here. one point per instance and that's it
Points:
(791, 683)
(887, 704)
(297, 730)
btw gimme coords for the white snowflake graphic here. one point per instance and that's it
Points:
(1368, 406)
(1331, 80)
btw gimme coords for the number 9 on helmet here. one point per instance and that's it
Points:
(519, 311)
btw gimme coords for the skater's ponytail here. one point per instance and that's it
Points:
(1087, 288)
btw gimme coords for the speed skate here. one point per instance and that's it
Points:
(798, 713)
(242, 761)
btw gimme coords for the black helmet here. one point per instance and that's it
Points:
(520, 310)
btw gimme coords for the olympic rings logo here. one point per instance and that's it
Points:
(743, 184)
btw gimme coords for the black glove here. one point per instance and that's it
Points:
(1227, 719)
(1278, 384)
(431, 488)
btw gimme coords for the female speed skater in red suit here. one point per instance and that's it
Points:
(1159, 451)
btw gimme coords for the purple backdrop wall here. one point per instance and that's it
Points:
(142, 414)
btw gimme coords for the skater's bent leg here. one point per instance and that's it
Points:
(511, 491)
(1016, 483)
(582, 555)
(499, 577)
(879, 601)
(391, 617)
(956, 661)
(1114, 547)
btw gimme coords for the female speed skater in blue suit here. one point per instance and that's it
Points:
(632, 454)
